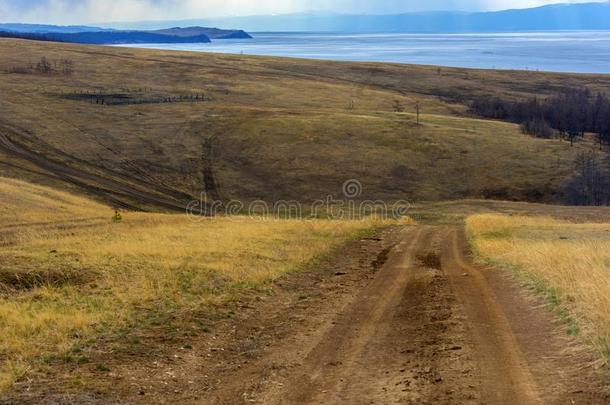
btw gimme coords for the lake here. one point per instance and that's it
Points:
(570, 51)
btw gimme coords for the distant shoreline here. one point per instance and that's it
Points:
(98, 36)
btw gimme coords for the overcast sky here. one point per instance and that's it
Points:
(92, 11)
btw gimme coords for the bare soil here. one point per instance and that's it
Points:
(403, 318)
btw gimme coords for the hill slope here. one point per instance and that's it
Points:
(153, 129)
(45, 28)
(213, 33)
(71, 274)
(110, 37)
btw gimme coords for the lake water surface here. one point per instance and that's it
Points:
(570, 51)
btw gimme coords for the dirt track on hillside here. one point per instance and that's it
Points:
(116, 192)
(404, 318)
(419, 334)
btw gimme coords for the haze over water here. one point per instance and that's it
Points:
(566, 51)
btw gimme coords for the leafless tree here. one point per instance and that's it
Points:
(67, 67)
(590, 183)
(398, 106)
(44, 66)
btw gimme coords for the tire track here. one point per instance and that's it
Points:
(114, 192)
(330, 372)
(505, 375)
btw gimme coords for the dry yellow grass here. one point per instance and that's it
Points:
(58, 289)
(569, 262)
(26, 203)
(278, 128)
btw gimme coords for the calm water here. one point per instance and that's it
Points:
(573, 51)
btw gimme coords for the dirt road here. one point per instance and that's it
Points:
(432, 327)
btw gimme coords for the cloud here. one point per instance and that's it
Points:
(92, 11)
(89, 11)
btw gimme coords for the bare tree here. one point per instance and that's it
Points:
(590, 183)
(67, 67)
(397, 106)
(44, 66)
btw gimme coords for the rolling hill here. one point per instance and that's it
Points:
(109, 37)
(47, 28)
(212, 33)
(147, 129)
(102, 36)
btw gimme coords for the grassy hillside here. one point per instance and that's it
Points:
(567, 262)
(72, 277)
(152, 129)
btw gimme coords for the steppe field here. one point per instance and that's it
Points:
(119, 283)
(174, 124)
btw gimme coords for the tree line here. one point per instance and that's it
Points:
(570, 114)
(28, 36)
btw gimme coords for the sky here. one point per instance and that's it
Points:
(99, 11)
